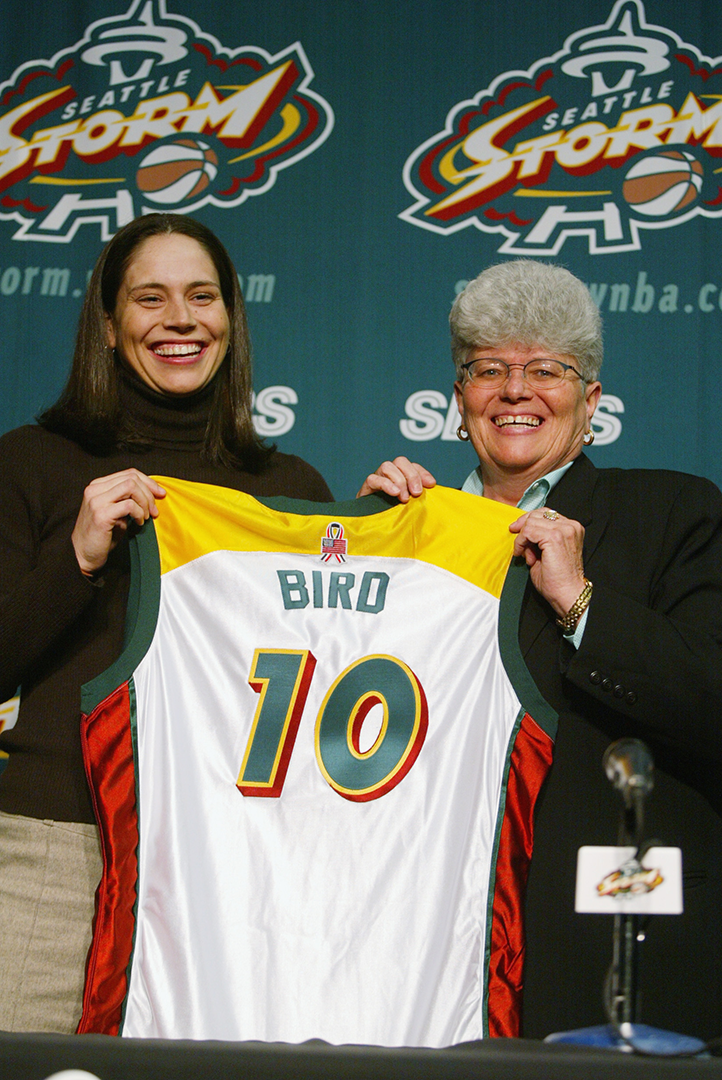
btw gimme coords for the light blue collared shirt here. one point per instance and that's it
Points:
(533, 498)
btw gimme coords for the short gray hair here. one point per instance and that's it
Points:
(529, 303)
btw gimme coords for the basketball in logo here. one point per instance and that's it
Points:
(177, 171)
(663, 183)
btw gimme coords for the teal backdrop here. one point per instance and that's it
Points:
(361, 159)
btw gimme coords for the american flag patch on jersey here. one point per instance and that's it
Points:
(333, 544)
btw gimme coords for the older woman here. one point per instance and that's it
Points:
(621, 629)
(160, 383)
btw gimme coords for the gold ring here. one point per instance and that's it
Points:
(551, 515)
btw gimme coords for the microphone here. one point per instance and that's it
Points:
(629, 766)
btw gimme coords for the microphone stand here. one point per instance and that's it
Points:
(624, 989)
(628, 764)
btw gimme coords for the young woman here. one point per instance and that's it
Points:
(160, 384)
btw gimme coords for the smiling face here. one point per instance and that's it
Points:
(170, 323)
(521, 434)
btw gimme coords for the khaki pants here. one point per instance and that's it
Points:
(49, 871)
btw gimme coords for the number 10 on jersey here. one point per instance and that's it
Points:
(282, 678)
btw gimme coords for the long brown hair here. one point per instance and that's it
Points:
(88, 410)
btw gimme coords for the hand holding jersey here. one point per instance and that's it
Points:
(109, 504)
(551, 547)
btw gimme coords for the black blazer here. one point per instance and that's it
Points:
(649, 666)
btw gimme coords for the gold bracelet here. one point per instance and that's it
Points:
(580, 605)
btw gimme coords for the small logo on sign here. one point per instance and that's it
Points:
(630, 879)
(333, 545)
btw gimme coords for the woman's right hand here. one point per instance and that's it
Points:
(400, 478)
(109, 504)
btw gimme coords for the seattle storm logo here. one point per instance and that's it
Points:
(147, 113)
(619, 132)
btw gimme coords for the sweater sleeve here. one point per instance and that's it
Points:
(42, 590)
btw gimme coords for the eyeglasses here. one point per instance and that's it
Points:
(540, 374)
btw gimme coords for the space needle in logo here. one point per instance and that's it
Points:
(617, 133)
(147, 112)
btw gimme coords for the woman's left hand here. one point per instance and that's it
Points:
(552, 547)
(401, 479)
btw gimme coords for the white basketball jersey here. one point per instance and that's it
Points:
(314, 767)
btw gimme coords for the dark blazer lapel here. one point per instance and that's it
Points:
(574, 497)
(580, 496)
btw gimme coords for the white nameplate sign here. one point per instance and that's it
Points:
(610, 881)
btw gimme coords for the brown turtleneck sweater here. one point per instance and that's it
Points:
(57, 630)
